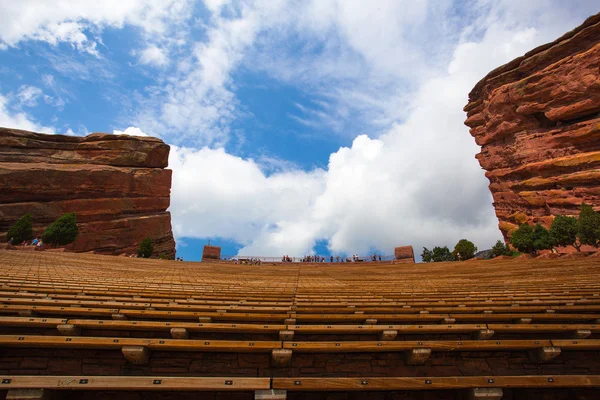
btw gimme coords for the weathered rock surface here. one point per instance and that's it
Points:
(404, 254)
(537, 120)
(117, 186)
(211, 253)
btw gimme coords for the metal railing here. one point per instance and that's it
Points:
(306, 259)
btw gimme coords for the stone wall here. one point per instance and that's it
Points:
(117, 186)
(537, 120)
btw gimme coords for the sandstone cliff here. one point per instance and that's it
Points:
(117, 186)
(537, 120)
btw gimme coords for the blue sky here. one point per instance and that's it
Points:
(322, 126)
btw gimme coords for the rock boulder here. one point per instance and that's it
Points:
(537, 120)
(117, 186)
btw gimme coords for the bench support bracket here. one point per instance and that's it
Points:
(417, 356)
(138, 355)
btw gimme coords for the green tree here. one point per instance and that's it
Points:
(441, 254)
(522, 239)
(500, 249)
(62, 231)
(563, 232)
(541, 238)
(21, 230)
(464, 250)
(588, 226)
(146, 248)
(427, 255)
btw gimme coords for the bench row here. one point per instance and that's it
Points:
(152, 383)
(137, 350)
(73, 327)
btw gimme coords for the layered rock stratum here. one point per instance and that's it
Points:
(117, 185)
(537, 120)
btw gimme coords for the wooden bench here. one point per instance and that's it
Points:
(137, 350)
(436, 383)
(137, 383)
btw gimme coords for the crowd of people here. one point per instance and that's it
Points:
(337, 259)
(249, 261)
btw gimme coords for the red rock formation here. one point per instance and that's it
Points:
(537, 120)
(211, 253)
(117, 186)
(404, 254)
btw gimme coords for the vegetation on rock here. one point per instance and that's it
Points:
(146, 248)
(62, 231)
(563, 232)
(588, 226)
(21, 231)
(522, 239)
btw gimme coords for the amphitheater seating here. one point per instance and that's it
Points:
(83, 322)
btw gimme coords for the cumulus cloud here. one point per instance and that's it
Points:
(153, 55)
(19, 120)
(131, 131)
(417, 183)
(218, 194)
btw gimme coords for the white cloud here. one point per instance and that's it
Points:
(78, 22)
(19, 120)
(28, 95)
(131, 131)
(215, 193)
(153, 55)
(197, 104)
(418, 183)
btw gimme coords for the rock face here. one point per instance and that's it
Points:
(117, 186)
(211, 253)
(537, 120)
(404, 254)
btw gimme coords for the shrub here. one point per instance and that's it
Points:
(541, 238)
(146, 248)
(438, 254)
(62, 231)
(464, 250)
(563, 232)
(588, 226)
(522, 239)
(21, 230)
(500, 249)
(163, 256)
(427, 255)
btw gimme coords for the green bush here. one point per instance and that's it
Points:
(21, 230)
(522, 239)
(529, 240)
(541, 238)
(438, 254)
(464, 250)
(427, 255)
(588, 226)
(163, 256)
(500, 249)
(563, 232)
(62, 231)
(146, 248)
